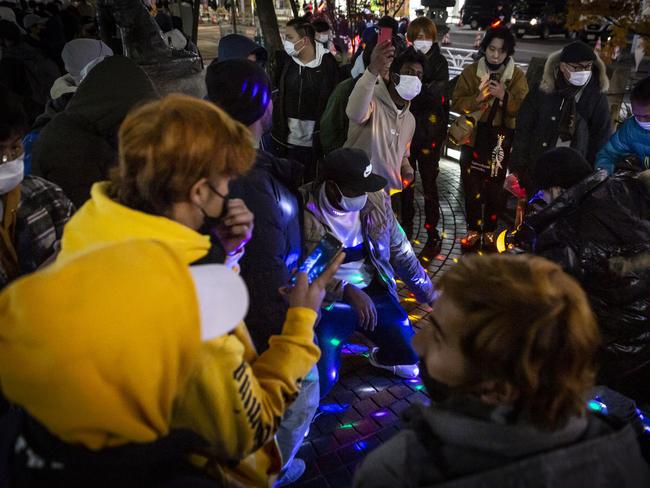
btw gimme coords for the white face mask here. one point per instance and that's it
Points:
(323, 37)
(290, 48)
(422, 45)
(409, 86)
(11, 174)
(353, 204)
(579, 78)
(643, 125)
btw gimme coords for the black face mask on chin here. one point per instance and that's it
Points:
(210, 223)
(438, 392)
(494, 67)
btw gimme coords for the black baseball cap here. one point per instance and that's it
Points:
(351, 170)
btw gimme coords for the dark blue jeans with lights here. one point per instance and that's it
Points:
(392, 335)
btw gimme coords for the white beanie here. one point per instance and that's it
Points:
(78, 53)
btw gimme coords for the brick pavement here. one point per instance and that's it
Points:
(363, 409)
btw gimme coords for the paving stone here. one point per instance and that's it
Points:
(398, 407)
(325, 444)
(339, 478)
(328, 463)
(383, 398)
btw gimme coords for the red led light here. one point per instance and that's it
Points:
(427, 226)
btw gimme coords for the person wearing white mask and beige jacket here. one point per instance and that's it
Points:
(378, 108)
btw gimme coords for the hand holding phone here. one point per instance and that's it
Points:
(305, 295)
(319, 259)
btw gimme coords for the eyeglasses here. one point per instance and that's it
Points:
(580, 67)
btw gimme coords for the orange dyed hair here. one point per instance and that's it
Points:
(166, 146)
(527, 324)
(424, 24)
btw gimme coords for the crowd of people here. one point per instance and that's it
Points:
(155, 330)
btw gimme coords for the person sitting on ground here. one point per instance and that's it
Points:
(79, 146)
(133, 417)
(505, 408)
(598, 229)
(243, 90)
(382, 108)
(176, 159)
(633, 137)
(569, 108)
(348, 202)
(33, 211)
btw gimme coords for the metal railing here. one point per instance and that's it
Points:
(459, 58)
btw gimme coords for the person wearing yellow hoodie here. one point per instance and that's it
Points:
(176, 157)
(102, 367)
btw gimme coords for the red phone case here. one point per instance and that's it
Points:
(385, 34)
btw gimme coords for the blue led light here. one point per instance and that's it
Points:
(360, 446)
(334, 407)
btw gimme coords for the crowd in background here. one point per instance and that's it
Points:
(154, 331)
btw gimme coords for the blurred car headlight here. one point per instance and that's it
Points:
(533, 21)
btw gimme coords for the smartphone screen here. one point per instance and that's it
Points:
(494, 77)
(320, 258)
(385, 34)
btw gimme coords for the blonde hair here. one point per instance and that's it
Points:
(529, 324)
(424, 24)
(166, 146)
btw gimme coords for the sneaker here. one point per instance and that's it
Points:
(471, 240)
(406, 371)
(291, 473)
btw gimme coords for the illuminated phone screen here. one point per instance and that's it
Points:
(320, 258)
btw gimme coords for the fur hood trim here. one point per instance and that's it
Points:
(547, 84)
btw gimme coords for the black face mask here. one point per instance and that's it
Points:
(210, 223)
(438, 391)
(494, 67)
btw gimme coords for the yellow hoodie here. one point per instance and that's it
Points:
(97, 348)
(234, 399)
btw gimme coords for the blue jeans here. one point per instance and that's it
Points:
(297, 418)
(392, 335)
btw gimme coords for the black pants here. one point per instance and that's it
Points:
(392, 335)
(307, 157)
(427, 161)
(484, 196)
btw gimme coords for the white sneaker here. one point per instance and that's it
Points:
(406, 371)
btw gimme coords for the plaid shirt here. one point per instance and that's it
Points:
(42, 212)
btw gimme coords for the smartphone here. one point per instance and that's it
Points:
(494, 77)
(385, 34)
(319, 259)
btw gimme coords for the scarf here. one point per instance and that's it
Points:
(567, 122)
(8, 254)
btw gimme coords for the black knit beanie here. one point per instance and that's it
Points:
(577, 52)
(240, 87)
(562, 166)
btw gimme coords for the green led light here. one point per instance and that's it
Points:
(346, 426)
(335, 342)
(419, 387)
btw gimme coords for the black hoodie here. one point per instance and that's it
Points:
(79, 146)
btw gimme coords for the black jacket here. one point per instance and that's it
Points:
(539, 116)
(79, 145)
(268, 191)
(431, 107)
(465, 444)
(31, 457)
(303, 92)
(599, 232)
